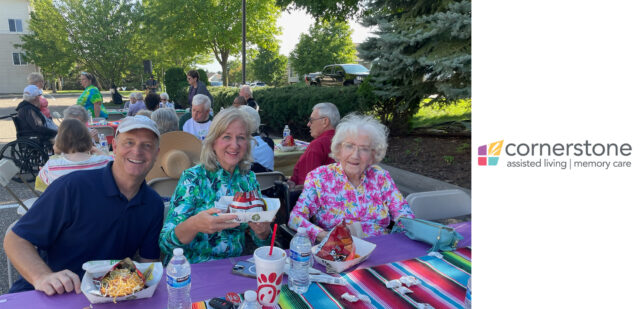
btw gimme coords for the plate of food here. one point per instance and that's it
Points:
(249, 207)
(118, 280)
(339, 251)
(288, 144)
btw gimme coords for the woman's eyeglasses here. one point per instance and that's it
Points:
(350, 148)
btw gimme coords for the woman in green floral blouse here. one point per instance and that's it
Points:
(192, 222)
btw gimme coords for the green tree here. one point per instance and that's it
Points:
(326, 43)
(215, 27)
(328, 9)
(47, 45)
(270, 67)
(103, 35)
(422, 49)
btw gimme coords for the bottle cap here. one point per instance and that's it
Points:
(250, 295)
(178, 251)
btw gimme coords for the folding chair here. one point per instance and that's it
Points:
(8, 170)
(164, 185)
(274, 184)
(441, 204)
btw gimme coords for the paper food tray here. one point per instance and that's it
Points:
(103, 266)
(273, 204)
(363, 249)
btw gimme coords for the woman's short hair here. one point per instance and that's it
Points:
(218, 126)
(354, 124)
(165, 96)
(200, 99)
(152, 101)
(139, 96)
(35, 77)
(328, 110)
(91, 78)
(76, 112)
(145, 112)
(194, 74)
(73, 136)
(166, 119)
(253, 114)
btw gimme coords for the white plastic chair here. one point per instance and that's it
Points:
(441, 204)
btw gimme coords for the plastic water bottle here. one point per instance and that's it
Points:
(300, 253)
(104, 146)
(179, 281)
(467, 297)
(286, 132)
(250, 300)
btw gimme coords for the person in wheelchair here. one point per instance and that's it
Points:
(31, 122)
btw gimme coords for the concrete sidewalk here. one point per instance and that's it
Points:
(408, 182)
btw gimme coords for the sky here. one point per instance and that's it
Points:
(295, 23)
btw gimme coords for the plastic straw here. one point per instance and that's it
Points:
(273, 237)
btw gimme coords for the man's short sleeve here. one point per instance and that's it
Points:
(149, 248)
(48, 216)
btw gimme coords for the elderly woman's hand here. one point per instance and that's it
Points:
(261, 229)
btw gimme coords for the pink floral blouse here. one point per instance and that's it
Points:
(329, 197)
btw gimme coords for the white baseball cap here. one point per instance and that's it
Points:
(137, 122)
(32, 90)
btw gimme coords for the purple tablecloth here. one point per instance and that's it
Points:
(214, 278)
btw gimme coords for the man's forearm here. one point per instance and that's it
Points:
(25, 258)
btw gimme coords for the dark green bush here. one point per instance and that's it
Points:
(175, 81)
(292, 104)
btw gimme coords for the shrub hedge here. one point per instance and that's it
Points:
(292, 104)
(175, 80)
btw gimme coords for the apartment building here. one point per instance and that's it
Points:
(14, 21)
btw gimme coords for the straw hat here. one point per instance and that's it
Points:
(178, 151)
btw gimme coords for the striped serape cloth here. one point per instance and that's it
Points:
(443, 283)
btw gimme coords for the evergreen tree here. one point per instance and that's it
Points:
(423, 49)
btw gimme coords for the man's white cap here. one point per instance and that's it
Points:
(137, 122)
(32, 90)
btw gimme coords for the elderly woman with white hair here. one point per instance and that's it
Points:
(200, 121)
(193, 223)
(262, 152)
(166, 119)
(134, 108)
(164, 101)
(37, 79)
(31, 121)
(80, 113)
(355, 189)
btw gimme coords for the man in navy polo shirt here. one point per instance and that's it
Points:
(108, 213)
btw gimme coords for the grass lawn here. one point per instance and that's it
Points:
(429, 116)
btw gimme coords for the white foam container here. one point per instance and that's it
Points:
(273, 204)
(363, 249)
(101, 267)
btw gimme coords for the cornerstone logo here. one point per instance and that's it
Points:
(489, 154)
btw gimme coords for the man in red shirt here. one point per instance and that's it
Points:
(322, 123)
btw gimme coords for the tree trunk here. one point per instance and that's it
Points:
(224, 59)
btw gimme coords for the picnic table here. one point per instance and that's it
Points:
(443, 280)
(111, 124)
(119, 113)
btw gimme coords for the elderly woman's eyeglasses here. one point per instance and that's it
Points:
(350, 148)
(311, 120)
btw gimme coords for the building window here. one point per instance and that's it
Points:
(15, 25)
(18, 59)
